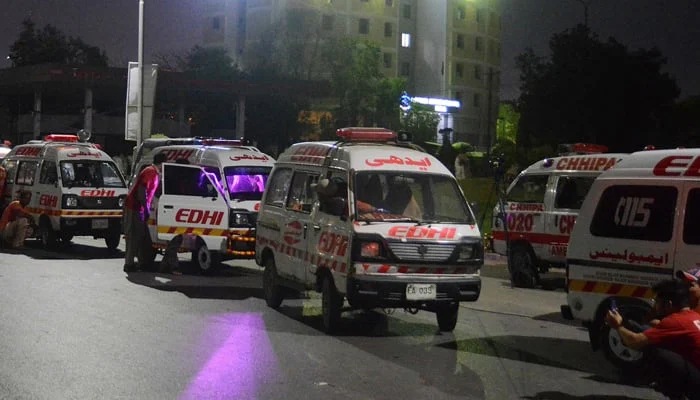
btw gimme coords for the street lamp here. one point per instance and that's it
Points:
(139, 131)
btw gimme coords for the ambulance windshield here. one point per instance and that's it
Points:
(246, 183)
(419, 197)
(87, 173)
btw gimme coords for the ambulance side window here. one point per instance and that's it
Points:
(278, 187)
(48, 175)
(636, 212)
(10, 169)
(301, 195)
(25, 172)
(529, 189)
(571, 191)
(691, 225)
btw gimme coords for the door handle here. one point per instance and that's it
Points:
(306, 227)
(317, 228)
(168, 207)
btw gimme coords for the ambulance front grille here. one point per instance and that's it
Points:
(422, 252)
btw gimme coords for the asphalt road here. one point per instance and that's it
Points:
(74, 326)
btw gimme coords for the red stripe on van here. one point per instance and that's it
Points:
(537, 238)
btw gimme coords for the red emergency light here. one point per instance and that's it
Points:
(366, 134)
(582, 148)
(649, 147)
(61, 138)
(221, 142)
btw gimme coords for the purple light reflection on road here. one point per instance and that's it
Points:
(244, 362)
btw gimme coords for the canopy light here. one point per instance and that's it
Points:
(431, 101)
(440, 109)
(366, 134)
(61, 138)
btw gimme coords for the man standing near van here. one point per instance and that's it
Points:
(137, 210)
(15, 221)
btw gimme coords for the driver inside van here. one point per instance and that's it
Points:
(400, 200)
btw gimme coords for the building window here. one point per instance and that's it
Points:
(387, 60)
(479, 15)
(478, 72)
(459, 70)
(216, 23)
(388, 29)
(364, 26)
(477, 100)
(458, 97)
(460, 13)
(405, 69)
(460, 41)
(407, 11)
(389, 3)
(405, 40)
(327, 22)
(365, 1)
(479, 43)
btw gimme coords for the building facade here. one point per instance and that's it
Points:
(447, 49)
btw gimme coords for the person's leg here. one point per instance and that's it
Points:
(170, 262)
(7, 234)
(674, 374)
(145, 248)
(130, 253)
(20, 232)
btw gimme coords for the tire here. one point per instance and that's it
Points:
(274, 293)
(610, 342)
(331, 305)
(447, 318)
(521, 264)
(205, 260)
(66, 237)
(113, 238)
(48, 236)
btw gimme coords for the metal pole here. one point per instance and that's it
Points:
(488, 112)
(139, 132)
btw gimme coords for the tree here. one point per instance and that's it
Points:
(50, 45)
(593, 91)
(421, 122)
(507, 123)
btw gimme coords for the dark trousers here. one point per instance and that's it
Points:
(138, 240)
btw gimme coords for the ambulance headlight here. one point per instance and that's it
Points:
(468, 252)
(241, 219)
(121, 201)
(70, 201)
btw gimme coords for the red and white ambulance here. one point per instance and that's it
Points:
(637, 227)
(372, 220)
(211, 203)
(541, 208)
(77, 190)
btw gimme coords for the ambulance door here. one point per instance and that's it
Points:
(49, 195)
(11, 171)
(688, 244)
(525, 210)
(297, 224)
(568, 193)
(193, 205)
(25, 180)
(329, 235)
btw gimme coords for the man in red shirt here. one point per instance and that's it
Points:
(15, 221)
(692, 276)
(137, 210)
(672, 345)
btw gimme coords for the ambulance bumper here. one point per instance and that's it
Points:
(390, 291)
(90, 226)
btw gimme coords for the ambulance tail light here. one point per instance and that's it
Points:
(366, 134)
(70, 201)
(61, 138)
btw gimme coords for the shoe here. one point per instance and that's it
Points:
(176, 272)
(130, 268)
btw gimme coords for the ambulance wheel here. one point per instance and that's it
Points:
(331, 305)
(66, 237)
(113, 238)
(207, 261)
(521, 264)
(447, 317)
(610, 342)
(48, 236)
(274, 294)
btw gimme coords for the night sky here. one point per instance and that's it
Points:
(173, 25)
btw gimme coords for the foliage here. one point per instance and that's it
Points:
(507, 123)
(482, 192)
(447, 154)
(421, 122)
(50, 45)
(593, 91)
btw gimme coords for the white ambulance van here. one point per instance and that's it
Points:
(369, 219)
(213, 228)
(639, 224)
(77, 190)
(541, 206)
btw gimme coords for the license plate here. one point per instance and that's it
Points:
(100, 224)
(415, 291)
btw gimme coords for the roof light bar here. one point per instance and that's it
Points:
(366, 134)
(61, 138)
(582, 148)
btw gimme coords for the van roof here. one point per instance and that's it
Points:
(199, 154)
(363, 156)
(583, 163)
(682, 164)
(59, 149)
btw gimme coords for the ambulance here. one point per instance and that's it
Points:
(639, 224)
(541, 207)
(370, 220)
(210, 204)
(77, 190)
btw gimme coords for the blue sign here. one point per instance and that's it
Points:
(405, 102)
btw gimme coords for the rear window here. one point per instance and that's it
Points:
(636, 212)
(571, 191)
(691, 225)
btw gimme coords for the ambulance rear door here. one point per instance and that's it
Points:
(192, 204)
(688, 243)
